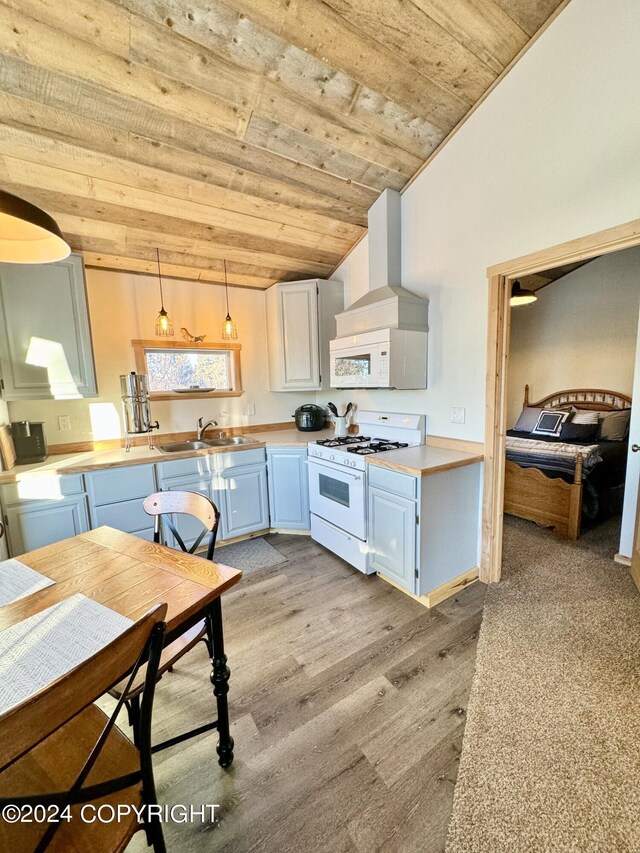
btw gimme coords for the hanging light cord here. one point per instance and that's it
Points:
(226, 285)
(160, 278)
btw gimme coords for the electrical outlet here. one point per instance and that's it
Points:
(457, 415)
(64, 423)
(251, 409)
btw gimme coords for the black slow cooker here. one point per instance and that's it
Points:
(309, 418)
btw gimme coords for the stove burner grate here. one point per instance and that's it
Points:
(343, 440)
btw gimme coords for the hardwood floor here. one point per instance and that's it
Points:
(348, 700)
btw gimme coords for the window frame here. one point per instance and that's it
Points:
(141, 346)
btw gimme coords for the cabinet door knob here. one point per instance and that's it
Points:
(635, 447)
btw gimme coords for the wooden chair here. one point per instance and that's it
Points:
(60, 751)
(162, 505)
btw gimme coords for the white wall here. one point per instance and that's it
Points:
(551, 155)
(124, 307)
(581, 333)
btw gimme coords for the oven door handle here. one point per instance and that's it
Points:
(337, 471)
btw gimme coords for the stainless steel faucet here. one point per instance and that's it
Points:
(202, 427)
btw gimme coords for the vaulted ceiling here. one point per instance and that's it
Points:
(259, 131)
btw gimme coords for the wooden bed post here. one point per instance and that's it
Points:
(526, 396)
(575, 501)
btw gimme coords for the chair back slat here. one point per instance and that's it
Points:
(26, 725)
(188, 503)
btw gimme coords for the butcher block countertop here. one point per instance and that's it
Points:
(77, 463)
(424, 460)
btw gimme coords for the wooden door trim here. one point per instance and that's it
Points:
(500, 276)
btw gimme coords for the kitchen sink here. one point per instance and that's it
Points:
(204, 444)
(229, 442)
(182, 446)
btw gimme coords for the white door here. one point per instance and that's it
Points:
(632, 480)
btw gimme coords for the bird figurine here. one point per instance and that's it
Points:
(194, 339)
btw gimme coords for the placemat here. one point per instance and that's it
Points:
(18, 581)
(46, 646)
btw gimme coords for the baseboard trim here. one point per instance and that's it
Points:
(440, 593)
(624, 561)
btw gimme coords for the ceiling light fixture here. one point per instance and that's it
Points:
(28, 235)
(164, 326)
(229, 331)
(520, 296)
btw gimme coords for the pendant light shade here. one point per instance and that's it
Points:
(164, 326)
(229, 331)
(520, 296)
(28, 235)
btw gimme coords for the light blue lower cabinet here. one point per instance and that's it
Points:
(392, 537)
(35, 524)
(116, 497)
(288, 482)
(241, 495)
(189, 528)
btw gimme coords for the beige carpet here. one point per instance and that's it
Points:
(551, 754)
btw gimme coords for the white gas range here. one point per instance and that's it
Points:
(338, 480)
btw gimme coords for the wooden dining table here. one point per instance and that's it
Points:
(130, 575)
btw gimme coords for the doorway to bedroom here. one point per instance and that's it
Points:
(501, 279)
(572, 358)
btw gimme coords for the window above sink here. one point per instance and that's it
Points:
(189, 371)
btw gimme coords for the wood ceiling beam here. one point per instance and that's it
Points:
(36, 176)
(483, 28)
(60, 125)
(283, 33)
(122, 237)
(405, 29)
(530, 15)
(319, 30)
(91, 102)
(38, 149)
(170, 227)
(52, 49)
(242, 275)
(103, 260)
(163, 36)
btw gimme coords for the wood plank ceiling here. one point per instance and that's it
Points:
(259, 131)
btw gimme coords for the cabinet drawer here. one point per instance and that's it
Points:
(128, 516)
(42, 488)
(120, 484)
(194, 465)
(222, 461)
(342, 544)
(393, 481)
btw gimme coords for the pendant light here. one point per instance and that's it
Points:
(229, 331)
(164, 326)
(28, 235)
(520, 296)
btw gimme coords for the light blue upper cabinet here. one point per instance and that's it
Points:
(45, 337)
(288, 487)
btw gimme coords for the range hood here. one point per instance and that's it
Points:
(386, 305)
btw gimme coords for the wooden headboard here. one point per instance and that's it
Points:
(582, 398)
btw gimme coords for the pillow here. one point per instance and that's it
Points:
(572, 431)
(614, 426)
(585, 417)
(528, 419)
(550, 422)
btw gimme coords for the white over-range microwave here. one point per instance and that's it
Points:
(385, 358)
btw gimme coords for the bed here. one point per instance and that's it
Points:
(558, 483)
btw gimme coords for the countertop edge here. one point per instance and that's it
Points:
(82, 463)
(428, 470)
